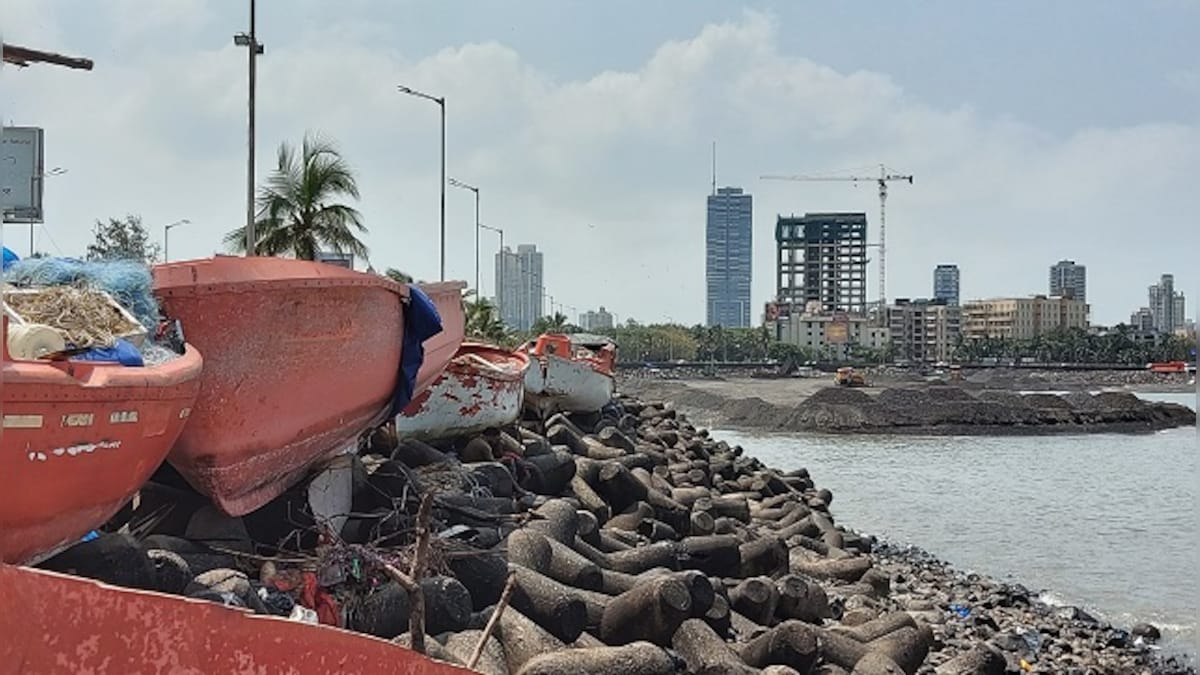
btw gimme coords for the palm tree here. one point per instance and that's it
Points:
(298, 211)
(398, 276)
(483, 322)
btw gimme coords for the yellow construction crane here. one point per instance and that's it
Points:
(883, 179)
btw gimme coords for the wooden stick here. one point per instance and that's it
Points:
(416, 617)
(493, 620)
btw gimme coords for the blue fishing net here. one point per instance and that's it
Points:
(129, 282)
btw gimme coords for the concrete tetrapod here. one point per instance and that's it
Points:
(637, 658)
(649, 611)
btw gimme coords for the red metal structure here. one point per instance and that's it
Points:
(55, 623)
(79, 438)
(439, 349)
(303, 357)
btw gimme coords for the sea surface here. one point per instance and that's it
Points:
(1107, 522)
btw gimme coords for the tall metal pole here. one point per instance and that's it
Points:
(253, 48)
(441, 101)
(500, 287)
(442, 269)
(476, 240)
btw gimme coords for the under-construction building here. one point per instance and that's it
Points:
(822, 258)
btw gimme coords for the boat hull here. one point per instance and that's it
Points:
(555, 384)
(301, 359)
(79, 439)
(481, 388)
(441, 348)
(56, 623)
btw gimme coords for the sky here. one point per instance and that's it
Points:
(1034, 131)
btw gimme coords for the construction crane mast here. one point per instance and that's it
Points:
(883, 179)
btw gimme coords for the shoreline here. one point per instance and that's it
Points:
(634, 541)
(971, 608)
(914, 409)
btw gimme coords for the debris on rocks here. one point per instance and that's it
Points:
(627, 543)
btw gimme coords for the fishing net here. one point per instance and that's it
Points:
(128, 282)
(86, 317)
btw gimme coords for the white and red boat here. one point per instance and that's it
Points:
(481, 388)
(569, 373)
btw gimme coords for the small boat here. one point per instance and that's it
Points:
(79, 439)
(302, 358)
(58, 623)
(482, 388)
(570, 373)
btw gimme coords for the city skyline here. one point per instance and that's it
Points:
(586, 147)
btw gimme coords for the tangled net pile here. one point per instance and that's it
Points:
(84, 316)
(127, 281)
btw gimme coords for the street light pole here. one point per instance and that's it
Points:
(167, 237)
(472, 188)
(441, 101)
(500, 280)
(56, 171)
(250, 41)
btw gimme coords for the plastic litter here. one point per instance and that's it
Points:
(122, 352)
(1032, 639)
(961, 610)
(9, 258)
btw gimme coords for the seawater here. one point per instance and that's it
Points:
(1107, 522)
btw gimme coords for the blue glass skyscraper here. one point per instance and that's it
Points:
(727, 260)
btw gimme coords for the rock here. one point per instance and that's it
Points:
(1146, 631)
(116, 559)
(171, 572)
(383, 613)
(638, 658)
(650, 611)
(447, 604)
(705, 652)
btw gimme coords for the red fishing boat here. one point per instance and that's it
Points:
(441, 348)
(79, 438)
(56, 623)
(482, 388)
(302, 358)
(570, 373)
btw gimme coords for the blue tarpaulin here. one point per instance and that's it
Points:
(122, 352)
(9, 258)
(421, 322)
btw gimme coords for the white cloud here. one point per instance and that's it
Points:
(607, 173)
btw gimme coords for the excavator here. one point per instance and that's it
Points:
(849, 377)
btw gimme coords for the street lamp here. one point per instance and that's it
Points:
(472, 188)
(500, 281)
(56, 171)
(441, 101)
(254, 48)
(167, 237)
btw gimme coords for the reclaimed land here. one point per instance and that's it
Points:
(815, 405)
(631, 542)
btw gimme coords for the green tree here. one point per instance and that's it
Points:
(122, 239)
(554, 323)
(298, 209)
(483, 323)
(398, 276)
